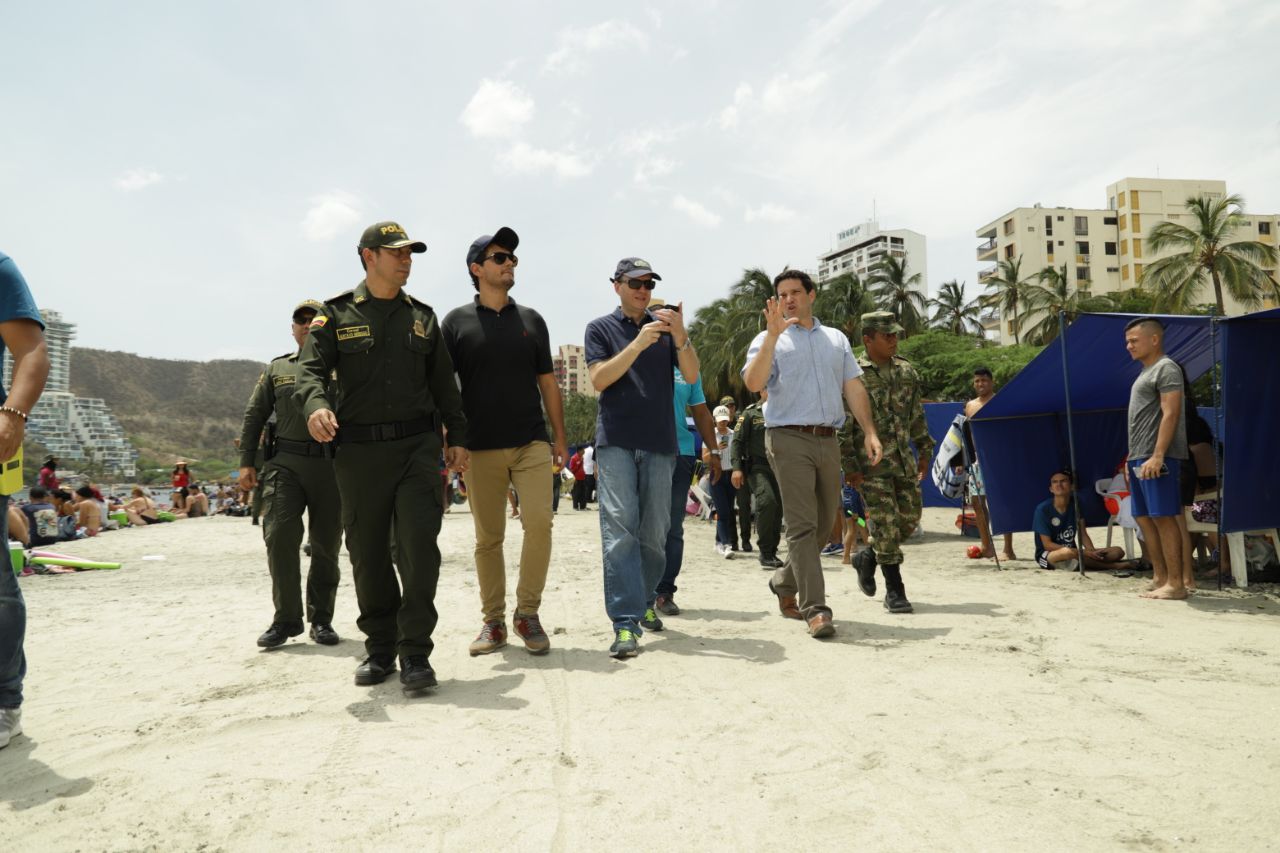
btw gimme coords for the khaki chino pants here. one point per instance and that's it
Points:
(528, 468)
(808, 471)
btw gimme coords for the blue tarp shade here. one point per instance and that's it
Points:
(938, 417)
(1021, 435)
(1251, 396)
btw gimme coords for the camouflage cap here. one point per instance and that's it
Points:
(388, 235)
(308, 305)
(728, 401)
(881, 321)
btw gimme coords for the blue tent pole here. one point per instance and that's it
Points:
(1216, 374)
(1071, 444)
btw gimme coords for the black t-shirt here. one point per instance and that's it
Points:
(498, 356)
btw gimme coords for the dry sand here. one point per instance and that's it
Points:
(1015, 710)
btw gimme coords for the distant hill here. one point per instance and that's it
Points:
(169, 408)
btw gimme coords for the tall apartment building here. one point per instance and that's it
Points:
(1103, 249)
(571, 371)
(859, 248)
(75, 429)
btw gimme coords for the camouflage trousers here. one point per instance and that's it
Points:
(893, 508)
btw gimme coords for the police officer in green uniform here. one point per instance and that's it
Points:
(891, 489)
(395, 387)
(297, 476)
(751, 467)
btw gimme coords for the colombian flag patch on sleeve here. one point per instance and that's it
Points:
(319, 321)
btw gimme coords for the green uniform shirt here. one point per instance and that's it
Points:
(748, 439)
(898, 412)
(276, 392)
(390, 359)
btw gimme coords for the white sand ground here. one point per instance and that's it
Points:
(1015, 710)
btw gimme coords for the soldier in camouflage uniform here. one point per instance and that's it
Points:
(751, 468)
(890, 489)
(297, 478)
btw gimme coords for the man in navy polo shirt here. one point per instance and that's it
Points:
(630, 356)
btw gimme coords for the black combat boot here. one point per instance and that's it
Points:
(895, 594)
(865, 562)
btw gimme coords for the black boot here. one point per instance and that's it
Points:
(865, 562)
(895, 594)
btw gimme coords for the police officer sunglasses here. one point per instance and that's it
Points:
(501, 258)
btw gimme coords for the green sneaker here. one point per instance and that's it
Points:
(625, 645)
(651, 622)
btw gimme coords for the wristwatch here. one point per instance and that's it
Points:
(715, 452)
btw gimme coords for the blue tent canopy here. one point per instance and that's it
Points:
(1021, 435)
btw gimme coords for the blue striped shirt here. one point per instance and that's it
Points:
(806, 379)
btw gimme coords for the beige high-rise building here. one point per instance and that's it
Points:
(571, 371)
(1104, 250)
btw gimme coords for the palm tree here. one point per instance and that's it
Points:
(1203, 253)
(841, 302)
(898, 292)
(722, 331)
(953, 313)
(1007, 289)
(1051, 292)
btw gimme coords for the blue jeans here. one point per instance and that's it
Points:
(723, 494)
(634, 493)
(13, 628)
(681, 479)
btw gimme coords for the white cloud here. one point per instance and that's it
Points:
(137, 179)
(576, 42)
(524, 159)
(729, 115)
(699, 214)
(653, 167)
(330, 214)
(768, 212)
(784, 92)
(499, 108)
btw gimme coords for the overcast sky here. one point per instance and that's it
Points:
(174, 177)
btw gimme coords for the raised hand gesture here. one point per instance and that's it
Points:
(777, 323)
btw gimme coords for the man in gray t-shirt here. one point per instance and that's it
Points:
(1157, 447)
(1162, 377)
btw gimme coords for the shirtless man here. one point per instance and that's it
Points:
(984, 387)
(197, 503)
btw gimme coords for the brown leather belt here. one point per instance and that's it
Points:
(809, 428)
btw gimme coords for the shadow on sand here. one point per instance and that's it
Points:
(26, 783)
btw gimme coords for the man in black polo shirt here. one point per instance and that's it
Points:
(502, 354)
(630, 355)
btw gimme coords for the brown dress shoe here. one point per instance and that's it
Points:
(820, 626)
(787, 605)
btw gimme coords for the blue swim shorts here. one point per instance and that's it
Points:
(1159, 496)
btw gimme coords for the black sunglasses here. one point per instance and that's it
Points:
(501, 258)
(636, 283)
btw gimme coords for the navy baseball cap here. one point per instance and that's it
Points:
(505, 237)
(634, 268)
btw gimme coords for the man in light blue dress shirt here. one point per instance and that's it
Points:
(811, 375)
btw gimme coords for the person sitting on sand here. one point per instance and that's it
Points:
(18, 530)
(88, 512)
(141, 509)
(1054, 526)
(197, 503)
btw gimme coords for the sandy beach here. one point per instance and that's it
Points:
(1015, 710)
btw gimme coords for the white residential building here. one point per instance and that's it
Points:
(75, 429)
(859, 248)
(571, 371)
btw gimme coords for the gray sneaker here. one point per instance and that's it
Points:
(650, 621)
(10, 725)
(666, 605)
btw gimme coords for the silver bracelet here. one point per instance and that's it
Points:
(688, 342)
(17, 412)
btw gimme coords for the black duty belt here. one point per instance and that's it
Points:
(301, 448)
(809, 428)
(387, 432)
